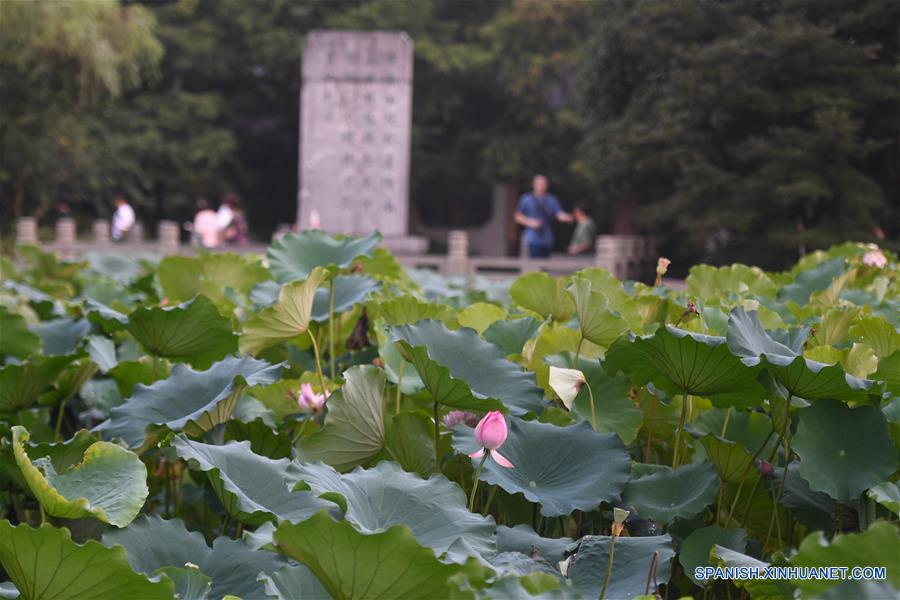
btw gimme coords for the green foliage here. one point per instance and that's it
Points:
(760, 430)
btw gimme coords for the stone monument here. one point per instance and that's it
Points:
(355, 126)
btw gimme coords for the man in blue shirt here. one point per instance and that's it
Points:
(536, 212)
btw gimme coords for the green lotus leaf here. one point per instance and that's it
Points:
(193, 332)
(409, 440)
(386, 495)
(544, 295)
(264, 440)
(384, 266)
(632, 559)
(252, 488)
(889, 372)
(597, 322)
(835, 324)
(880, 335)
(733, 461)
(480, 316)
(61, 336)
(128, 373)
(667, 494)
(800, 376)
(188, 400)
(62, 455)
(620, 301)
(154, 543)
(398, 371)
(859, 590)
(709, 282)
(759, 589)
(462, 370)
(47, 265)
(17, 340)
(291, 582)
(106, 317)
(122, 268)
(596, 465)
(404, 310)
(615, 410)
(349, 290)
(878, 546)
(750, 429)
(887, 494)
(296, 255)
(390, 564)
(512, 334)
(813, 509)
(22, 384)
(844, 451)
(680, 361)
(353, 433)
(45, 563)
(109, 483)
(190, 583)
(695, 550)
(209, 274)
(808, 281)
(287, 319)
(524, 539)
(102, 351)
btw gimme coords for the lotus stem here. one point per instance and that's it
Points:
(743, 477)
(437, 438)
(318, 362)
(155, 370)
(490, 499)
(612, 551)
(786, 436)
(577, 353)
(59, 419)
(684, 408)
(593, 409)
(399, 384)
(331, 325)
(475, 481)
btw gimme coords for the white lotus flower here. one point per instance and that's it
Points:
(566, 383)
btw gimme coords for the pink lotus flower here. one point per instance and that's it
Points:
(309, 401)
(874, 258)
(455, 417)
(491, 433)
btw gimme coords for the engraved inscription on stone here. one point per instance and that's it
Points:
(356, 113)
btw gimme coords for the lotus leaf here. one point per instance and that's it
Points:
(108, 483)
(390, 564)
(462, 370)
(597, 465)
(252, 488)
(296, 255)
(193, 401)
(45, 563)
(844, 451)
(154, 543)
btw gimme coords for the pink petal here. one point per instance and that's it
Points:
(478, 454)
(501, 460)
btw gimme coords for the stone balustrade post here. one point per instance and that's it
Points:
(168, 237)
(458, 253)
(26, 230)
(606, 253)
(65, 236)
(101, 232)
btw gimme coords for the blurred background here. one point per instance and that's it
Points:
(731, 131)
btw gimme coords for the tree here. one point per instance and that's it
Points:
(60, 64)
(746, 130)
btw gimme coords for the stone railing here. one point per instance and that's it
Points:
(627, 257)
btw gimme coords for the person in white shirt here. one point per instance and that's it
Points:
(123, 219)
(224, 216)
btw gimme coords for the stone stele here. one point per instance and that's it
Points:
(355, 125)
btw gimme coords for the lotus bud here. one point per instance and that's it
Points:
(765, 468)
(662, 265)
(309, 401)
(490, 433)
(566, 383)
(875, 258)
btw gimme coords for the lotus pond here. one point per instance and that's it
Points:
(321, 422)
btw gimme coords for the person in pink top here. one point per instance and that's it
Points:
(206, 225)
